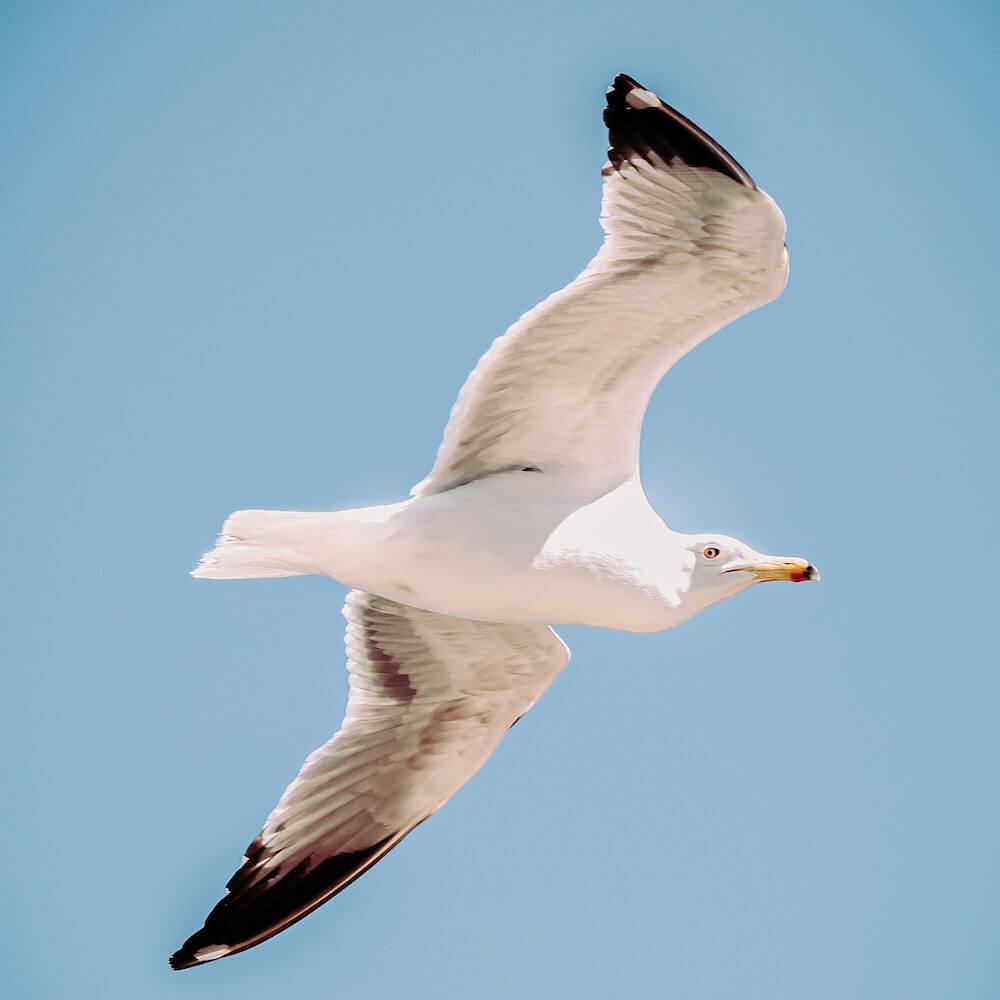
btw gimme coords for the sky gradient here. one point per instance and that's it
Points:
(248, 254)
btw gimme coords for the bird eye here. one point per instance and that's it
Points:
(710, 552)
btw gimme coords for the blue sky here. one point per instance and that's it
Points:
(249, 252)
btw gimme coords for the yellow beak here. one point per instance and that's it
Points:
(779, 568)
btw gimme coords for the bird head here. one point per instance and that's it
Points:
(721, 566)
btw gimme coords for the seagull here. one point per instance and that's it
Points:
(533, 515)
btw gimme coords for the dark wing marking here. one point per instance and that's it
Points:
(639, 123)
(253, 912)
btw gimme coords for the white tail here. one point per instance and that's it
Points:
(263, 543)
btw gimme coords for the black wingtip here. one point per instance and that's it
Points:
(623, 81)
(256, 908)
(184, 957)
(640, 123)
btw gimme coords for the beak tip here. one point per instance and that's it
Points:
(812, 573)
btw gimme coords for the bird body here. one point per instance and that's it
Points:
(508, 548)
(532, 515)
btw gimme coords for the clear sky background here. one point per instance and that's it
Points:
(248, 253)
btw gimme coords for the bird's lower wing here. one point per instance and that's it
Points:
(430, 698)
(691, 243)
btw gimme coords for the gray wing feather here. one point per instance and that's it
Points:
(690, 244)
(430, 698)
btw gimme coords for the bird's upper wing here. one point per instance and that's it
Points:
(690, 244)
(430, 698)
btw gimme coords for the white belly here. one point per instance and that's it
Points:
(487, 551)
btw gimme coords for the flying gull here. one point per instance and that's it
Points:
(533, 515)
